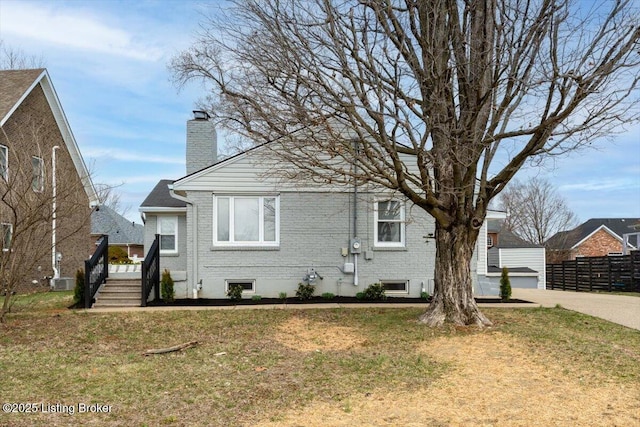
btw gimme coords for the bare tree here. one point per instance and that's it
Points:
(16, 59)
(107, 196)
(535, 211)
(442, 101)
(27, 210)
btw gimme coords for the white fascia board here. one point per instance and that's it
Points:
(22, 98)
(65, 130)
(491, 214)
(160, 209)
(67, 136)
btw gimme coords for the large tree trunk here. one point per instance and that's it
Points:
(453, 300)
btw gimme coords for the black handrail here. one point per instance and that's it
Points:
(151, 272)
(96, 271)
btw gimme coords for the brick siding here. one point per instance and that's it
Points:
(33, 131)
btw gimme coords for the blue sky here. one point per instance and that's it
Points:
(108, 63)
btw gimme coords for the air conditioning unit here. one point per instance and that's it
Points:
(63, 284)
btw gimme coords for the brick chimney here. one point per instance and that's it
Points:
(202, 142)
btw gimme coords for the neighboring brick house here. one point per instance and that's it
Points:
(35, 141)
(122, 233)
(595, 237)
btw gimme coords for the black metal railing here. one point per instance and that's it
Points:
(151, 272)
(96, 271)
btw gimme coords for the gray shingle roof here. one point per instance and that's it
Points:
(120, 230)
(619, 226)
(506, 239)
(13, 84)
(161, 198)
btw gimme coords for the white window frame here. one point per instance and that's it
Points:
(230, 282)
(396, 292)
(260, 242)
(489, 241)
(401, 221)
(9, 227)
(40, 177)
(175, 221)
(4, 168)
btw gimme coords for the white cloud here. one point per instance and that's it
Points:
(73, 29)
(602, 184)
(130, 156)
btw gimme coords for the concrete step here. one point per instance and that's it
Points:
(117, 303)
(122, 292)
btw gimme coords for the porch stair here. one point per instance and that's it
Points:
(119, 292)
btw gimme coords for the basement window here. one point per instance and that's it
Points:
(395, 286)
(248, 286)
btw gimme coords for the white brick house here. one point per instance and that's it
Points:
(230, 221)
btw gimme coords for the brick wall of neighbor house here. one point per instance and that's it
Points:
(313, 229)
(32, 131)
(600, 243)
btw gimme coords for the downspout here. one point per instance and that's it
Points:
(194, 240)
(54, 263)
(355, 211)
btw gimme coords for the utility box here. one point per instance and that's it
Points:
(348, 268)
(355, 245)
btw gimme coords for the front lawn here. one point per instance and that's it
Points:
(312, 367)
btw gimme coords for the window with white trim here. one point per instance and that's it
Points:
(4, 162)
(246, 220)
(395, 286)
(168, 231)
(37, 182)
(248, 286)
(389, 223)
(6, 234)
(489, 240)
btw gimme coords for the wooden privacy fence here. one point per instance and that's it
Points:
(606, 273)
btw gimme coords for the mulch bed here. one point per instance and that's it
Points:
(314, 300)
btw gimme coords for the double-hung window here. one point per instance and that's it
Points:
(168, 231)
(389, 223)
(246, 220)
(6, 234)
(37, 182)
(4, 162)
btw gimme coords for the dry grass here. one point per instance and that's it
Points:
(324, 367)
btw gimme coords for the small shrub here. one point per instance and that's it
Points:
(78, 291)
(167, 292)
(360, 295)
(282, 295)
(375, 291)
(256, 298)
(117, 255)
(305, 291)
(505, 285)
(235, 292)
(328, 295)
(425, 295)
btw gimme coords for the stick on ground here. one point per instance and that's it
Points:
(171, 349)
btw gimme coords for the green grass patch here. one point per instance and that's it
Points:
(240, 373)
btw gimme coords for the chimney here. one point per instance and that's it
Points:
(202, 142)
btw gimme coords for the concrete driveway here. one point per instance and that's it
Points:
(620, 309)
